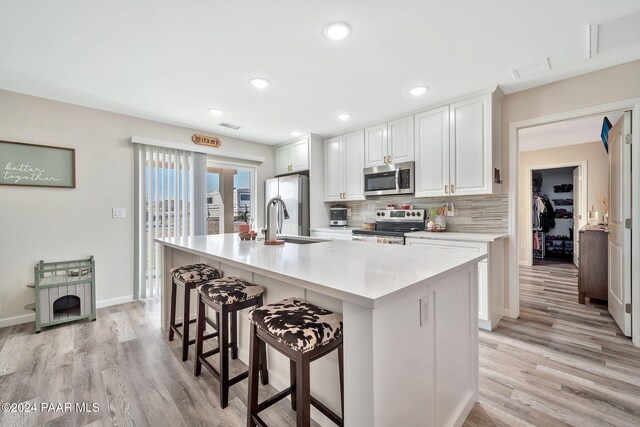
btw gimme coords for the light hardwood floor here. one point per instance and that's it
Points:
(560, 363)
(123, 362)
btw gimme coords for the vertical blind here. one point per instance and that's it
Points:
(166, 205)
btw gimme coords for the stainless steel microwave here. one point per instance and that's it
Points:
(389, 179)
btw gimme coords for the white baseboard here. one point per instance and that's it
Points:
(524, 263)
(26, 318)
(114, 301)
(16, 320)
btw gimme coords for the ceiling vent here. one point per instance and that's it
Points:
(615, 33)
(532, 69)
(229, 125)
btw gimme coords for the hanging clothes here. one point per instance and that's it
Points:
(547, 218)
(538, 208)
(536, 241)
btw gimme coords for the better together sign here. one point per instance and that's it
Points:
(36, 165)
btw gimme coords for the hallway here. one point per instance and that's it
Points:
(560, 363)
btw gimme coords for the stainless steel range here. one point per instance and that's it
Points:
(391, 224)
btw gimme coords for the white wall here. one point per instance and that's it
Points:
(59, 224)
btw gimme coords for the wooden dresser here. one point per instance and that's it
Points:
(594, 263)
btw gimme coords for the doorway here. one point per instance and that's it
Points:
(231, 197)
(577, 192)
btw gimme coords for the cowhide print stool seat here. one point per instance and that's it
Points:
(226, 296)
(188, 278)
(303, 332)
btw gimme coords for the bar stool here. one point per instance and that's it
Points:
(303, 332)
(226, 296)
(188, 278)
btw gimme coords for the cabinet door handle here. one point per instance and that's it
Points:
(452, 188)
(385, 160)
(388, 159)
(446, 189)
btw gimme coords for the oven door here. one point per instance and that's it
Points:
(389, 179)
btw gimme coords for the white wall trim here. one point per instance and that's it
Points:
(30, 317)
(582, 209)
(196, 149)
(16, 320)
(632, 104)
(114, 301)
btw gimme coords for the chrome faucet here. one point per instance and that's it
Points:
(272, 231)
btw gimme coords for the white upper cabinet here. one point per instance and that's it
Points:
(457, 149)
(471, 148)
(432, 152)
(344, 161)
(333, 169)
(375, 146)
(391, 142)
(400, 140)
(353, 153)
(292, 157)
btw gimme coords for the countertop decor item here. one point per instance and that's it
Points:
(369, 226)
(32, 165)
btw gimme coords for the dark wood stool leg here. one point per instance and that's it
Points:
(234, 334)
(341, 369)
(252, 400)
(292, 377)
(223, 342)
(172, 310)
(264, 372)
(185, 322)
(201, 325)
(303, 391)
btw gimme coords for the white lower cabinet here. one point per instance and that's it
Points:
(490, 274)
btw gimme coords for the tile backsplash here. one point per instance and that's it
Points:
(473, 214)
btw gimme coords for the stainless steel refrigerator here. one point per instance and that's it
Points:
(294, 191)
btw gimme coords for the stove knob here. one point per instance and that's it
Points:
(378, 213)
(382, 214)
(418, 214)
(413, 214)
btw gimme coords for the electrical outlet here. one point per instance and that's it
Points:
(348, 212)
(450, 210)
(424, 310)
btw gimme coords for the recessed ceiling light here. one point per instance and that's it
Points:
(295, 133)
(216, 112)
(419, 90)
(344, 116)
(259, 83)
(337, 31)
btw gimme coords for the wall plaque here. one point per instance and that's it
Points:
(34, 165)
(209, 141)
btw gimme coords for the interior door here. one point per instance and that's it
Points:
(619, 212)
(576, 214)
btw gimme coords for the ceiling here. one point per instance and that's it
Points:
(173, 61)
(568, 132)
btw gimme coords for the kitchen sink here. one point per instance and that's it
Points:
(300, 241)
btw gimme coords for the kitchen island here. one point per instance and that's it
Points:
(410, 320)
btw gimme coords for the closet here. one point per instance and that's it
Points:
(552, 205)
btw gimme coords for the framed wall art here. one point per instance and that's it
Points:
(32, 165)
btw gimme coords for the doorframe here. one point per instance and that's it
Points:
(582, 209)
(632, 104)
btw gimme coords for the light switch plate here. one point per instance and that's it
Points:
(118, 213)
(348, 212)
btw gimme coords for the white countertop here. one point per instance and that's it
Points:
(368, 274)
(327, 229)
(453, 235)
